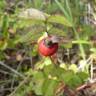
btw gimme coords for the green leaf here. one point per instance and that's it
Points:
(66, 76)
(30, 36)
(22, 23)
(48, 70)
(47, 61)
(74, 81)
(49, 87)
(81, 42)
(71, 79)
(44, 62)
(38, 80)
(60, 20)
(53, 71)
(3, 44)
(73, 67)
(86, 32)
(66, 45)
(64, 66)
(5, 25)
(83, 76)
(2, 5)
(57, 31)
(34, 52)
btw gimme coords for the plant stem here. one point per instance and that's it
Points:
(80, 45)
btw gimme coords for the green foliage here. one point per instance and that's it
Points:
(18, 33)
(59, 19)
(5, 25)
(29, 37)
(67, 12)
(2, 5)
(49, 87)
(73, 67)
(44, 82)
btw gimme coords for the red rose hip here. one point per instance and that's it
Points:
(47, 49)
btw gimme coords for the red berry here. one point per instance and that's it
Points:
(47, 50)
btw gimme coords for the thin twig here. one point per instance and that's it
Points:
(11, 69)
(86, 85)
(21, 84)
(19, 65)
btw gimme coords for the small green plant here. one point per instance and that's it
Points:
(45, 82)
(23, 32)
